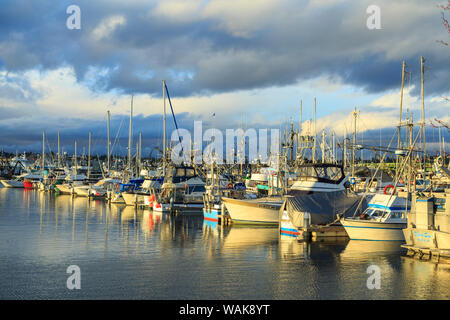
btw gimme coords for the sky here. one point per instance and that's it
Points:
(248, 63)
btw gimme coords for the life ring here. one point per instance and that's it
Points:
(230, 186)
(388, 187)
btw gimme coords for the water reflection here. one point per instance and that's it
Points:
(177, 256)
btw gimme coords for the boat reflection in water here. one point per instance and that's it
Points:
(292, 249)
(150, 222)
(239, 238)
(136, 253)
(360, 249)
(425, 278)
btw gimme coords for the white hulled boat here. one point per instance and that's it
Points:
(13, 183)
(383, 220)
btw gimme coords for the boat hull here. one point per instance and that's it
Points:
(427, 239)
(211, 214)
(82, 191)
(133, 199)
(12, 183)
(28, 184)
(64, 188)
(252, 212)
(373, 230)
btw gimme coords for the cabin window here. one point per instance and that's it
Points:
(439, 204)
(190, 172)
(396, 215)
(198, 189)
(180, 172)
(377, 213)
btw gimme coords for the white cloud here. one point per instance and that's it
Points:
(107, 26)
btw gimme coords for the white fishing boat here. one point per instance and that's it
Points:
(383, 220)
(88, 191)
(427, 233)
(69, 187)
(13, 183)
(132, 198)
(254, 211)
(186, 196)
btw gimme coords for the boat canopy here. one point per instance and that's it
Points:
(321, 172)
(320, 208)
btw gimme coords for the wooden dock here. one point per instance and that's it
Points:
(433, 255)
(333, 231)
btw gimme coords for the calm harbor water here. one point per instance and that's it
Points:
(125, 253)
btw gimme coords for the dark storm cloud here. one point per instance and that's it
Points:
(198, 56)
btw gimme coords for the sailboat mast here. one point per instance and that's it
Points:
(130, 134)
(140, 152)
(59, 154)
(43, 150)
(400, 121)
(300, 131)
(89, 156)
(422, 60)
(108, 156)
(355, 114)
(315, 134)
(76, 171)
(344, 151)
(323, 146)
(334, 147)
(164, 128)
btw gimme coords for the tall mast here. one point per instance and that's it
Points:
(108, 156)
(300, 130)
(164, 128)
(355, 114)
(76, 171)
(130, 134)
(334, 147)
(344, 151)
(323, 146)
(136, 159)
(59, 154)
(315, 134)
(89, 156)
(422, 60)
(400, 120)
(140, 152)
(43, 150)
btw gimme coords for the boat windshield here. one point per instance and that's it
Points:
(375, 213)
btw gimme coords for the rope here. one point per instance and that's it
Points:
(374, 175)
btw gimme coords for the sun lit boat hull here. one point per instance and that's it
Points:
(12, 183)
(82, 191)
(252, 212)
(133, 199)
(64, 188)
(372, 230)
